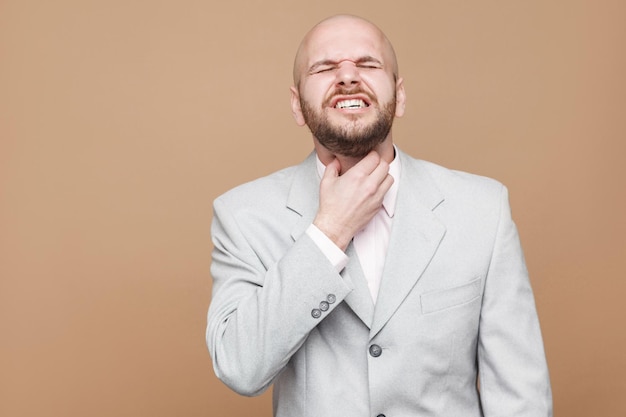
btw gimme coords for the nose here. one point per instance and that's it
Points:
(348, 74)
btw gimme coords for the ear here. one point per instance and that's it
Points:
(400, 97)
(296, 110)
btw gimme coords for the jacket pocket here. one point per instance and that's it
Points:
(450, 297)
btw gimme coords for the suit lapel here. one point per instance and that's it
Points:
(415, 236)
(303, 199)
(303, 195)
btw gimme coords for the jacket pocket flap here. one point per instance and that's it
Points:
(450, 297)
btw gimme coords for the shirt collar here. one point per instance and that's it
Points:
(389, 201)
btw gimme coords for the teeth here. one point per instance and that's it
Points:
(350, 104)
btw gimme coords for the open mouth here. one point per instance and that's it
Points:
(351, 104)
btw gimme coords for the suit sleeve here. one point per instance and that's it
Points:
(260, 315)
(514, 378)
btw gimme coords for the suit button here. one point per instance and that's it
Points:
(376, 351)
(316, 313)
(324, 306)
(331, 298)
(380, 415)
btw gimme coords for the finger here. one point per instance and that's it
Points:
(384, 186)
(380, 172)
(369, 163)
(332, 169)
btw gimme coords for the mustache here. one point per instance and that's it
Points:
(345, 91)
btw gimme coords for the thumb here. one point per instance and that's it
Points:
(332, 169)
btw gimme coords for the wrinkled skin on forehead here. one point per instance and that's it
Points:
(302, 55)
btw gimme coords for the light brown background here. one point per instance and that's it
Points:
(121, 121)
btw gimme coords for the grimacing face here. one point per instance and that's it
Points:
(347, 88)
(353, 138)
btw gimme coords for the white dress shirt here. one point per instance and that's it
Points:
(371, 242)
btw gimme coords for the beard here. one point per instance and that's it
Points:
(354, 138)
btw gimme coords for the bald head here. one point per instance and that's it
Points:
(340, 37)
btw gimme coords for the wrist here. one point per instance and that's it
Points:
(337, 234)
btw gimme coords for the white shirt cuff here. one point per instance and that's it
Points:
(335, 255)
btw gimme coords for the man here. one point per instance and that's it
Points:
(363, 282)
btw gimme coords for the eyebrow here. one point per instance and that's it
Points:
(357, 61)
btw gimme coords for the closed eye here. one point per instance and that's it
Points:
(369, 64)
(326, 65)
(322, 66)
(322, 70)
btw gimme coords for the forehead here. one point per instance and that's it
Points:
(344, 39)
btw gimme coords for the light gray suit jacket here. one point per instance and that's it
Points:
(455, 301)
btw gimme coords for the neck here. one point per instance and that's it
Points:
(385, 150)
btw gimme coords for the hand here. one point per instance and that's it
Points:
(348, 202)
